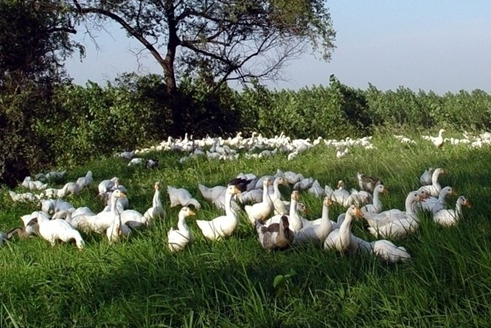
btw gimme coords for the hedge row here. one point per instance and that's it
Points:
(74, 123)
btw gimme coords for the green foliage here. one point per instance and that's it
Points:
(33, 42)
(205, 110)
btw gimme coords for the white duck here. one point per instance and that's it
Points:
(52, 206)
(342, 239)
(73, 217)
(116, 229)
(292, 177)
(450, 217)
(53, 230)
(425, 178)
(23, 197)
(252, 196)
(178, 239)
(70, 188)
(157, 209)
(86, 180)
(385, 250)
(376, 206)
(403, 224)
(340, 195)
(33, 185)
(106, 186)
(101, 221)
(263, 210)
(385, 217)
(294, 219)
(224, 225)
(279, 205)
(438, 140)
(434, 204)
(304, 184)
(316, 189)
(180, 196)
(435, 187)
(31, 226)
(213, 193)
(316, 233)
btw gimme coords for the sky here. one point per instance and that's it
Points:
(442, 46)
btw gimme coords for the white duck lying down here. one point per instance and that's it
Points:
(450, 217)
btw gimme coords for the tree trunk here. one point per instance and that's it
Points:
(169, 73)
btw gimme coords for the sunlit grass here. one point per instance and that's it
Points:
(139, 283)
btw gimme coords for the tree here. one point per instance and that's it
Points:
(231, 40)
(33, 44)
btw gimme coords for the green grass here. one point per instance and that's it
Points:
(139, 283)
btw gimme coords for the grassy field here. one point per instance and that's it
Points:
(139, 283)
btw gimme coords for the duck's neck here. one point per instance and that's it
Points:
(345, 231)
(156, 199)
(434, 178)
(376, 200)
(114, 211)
(409, 205)
(266, 197)
(458, 209)
(295, 222)
(276, 188)
(325, 222)
(228, 205)
(181, 224)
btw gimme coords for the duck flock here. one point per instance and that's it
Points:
(279, 223)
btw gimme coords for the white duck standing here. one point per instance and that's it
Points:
(279, 205)
(116, 229)
(101, 221)
(294, 219)
(211, 193)
(263, 210)
(86, 180)
(53, 230)
(438, 141)
(157, 209)
(225, 225)
(180, 196)
(180, 238)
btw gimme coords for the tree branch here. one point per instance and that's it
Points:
(128, 28)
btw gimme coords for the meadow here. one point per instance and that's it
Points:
(234, 282)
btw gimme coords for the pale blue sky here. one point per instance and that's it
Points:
(420, 44)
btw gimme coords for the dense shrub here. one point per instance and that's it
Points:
(72, 123)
